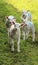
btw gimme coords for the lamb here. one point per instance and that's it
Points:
(13, 29)
(27, 25)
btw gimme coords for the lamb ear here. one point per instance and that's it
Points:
(6, 17)
(13, 22)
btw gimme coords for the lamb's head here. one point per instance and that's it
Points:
(24, 12)
(10, 20)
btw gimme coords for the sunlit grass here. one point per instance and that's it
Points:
(24, 4)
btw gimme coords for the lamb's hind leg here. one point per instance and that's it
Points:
(33, 34)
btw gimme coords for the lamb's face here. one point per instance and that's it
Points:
(9, 21)
(24, 14)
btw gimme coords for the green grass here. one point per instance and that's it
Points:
(29, 50)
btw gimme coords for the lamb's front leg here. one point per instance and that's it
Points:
(12, 44)
(27, 34)
(18, 45)
(8, 37)
(23, 35)
(18, 41)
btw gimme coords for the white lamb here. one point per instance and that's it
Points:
(13, 32)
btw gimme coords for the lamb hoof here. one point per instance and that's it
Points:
(18, 50)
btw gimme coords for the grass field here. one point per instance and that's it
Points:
(29, 50)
